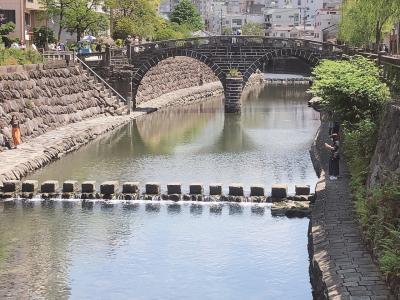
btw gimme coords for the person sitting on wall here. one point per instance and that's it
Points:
(334, 158)
(15, 131)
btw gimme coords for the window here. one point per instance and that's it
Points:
(7, 16)
(282, 34)
(278, 17)
(27, 19)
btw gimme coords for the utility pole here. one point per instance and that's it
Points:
(221, 21)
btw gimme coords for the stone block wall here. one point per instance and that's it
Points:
(173, 74)
(386, 159)
(44, 98)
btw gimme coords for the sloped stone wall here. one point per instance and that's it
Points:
(44, 98)
(173, 74)
(386, 159)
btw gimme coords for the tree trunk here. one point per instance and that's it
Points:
(61, 27)
(378, 33)
(78, 35)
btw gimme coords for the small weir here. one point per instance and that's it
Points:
(111, 190)
(111, 193)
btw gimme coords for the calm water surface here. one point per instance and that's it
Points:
(61, 250)
(268, 143)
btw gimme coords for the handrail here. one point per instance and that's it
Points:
(101, 79)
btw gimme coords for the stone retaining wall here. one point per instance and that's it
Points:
(173, 74)
(44, 98)
(386, 159)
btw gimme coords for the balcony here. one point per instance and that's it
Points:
(32, 5)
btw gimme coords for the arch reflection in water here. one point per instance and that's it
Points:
(267, 143)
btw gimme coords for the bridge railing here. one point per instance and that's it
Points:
(58, 55)
(271, 42)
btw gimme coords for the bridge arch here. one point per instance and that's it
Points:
(154, 60)
(311, 57)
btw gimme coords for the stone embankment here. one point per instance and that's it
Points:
(386, 159)
(44, 98)
(341, 266)
(173, 74)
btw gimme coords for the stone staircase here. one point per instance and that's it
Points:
(116, 106)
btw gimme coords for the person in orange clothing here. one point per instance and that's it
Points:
(16, 132)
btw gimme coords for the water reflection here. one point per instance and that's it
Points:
(267, 143)
(58, 253)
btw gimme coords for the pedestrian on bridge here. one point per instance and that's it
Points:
(15, 131)
(334, 157)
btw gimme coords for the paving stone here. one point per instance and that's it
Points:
(338, 247)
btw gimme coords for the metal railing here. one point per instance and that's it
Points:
(102, 81)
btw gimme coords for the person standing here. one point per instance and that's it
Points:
(15, 131)
(334, 157)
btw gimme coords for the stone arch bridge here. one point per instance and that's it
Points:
(223, 54)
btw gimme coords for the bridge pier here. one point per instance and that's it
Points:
(233, 92)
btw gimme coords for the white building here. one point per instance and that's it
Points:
(326, 24)
(218, 18)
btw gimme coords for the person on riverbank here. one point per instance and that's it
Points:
(15, 131)
(334, 157)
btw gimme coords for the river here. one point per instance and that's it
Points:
(163, 250)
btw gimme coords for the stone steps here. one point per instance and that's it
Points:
(105, 92)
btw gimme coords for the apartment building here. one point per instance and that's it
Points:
(326, 24)
(25, 14)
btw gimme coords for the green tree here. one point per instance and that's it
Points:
(42, 36)
(81, 17)
(140, 18)
(366, 21)
(55, 9)
(251, 28)
(351, 88)
(135, 17)
(5, 30)
(186, 13)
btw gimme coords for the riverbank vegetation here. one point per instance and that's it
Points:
(365, 22)
(354, 93)
(12, 56)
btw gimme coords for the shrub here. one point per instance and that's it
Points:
(43, 35)
(351, 88)
(234, 73)
(19, 56)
